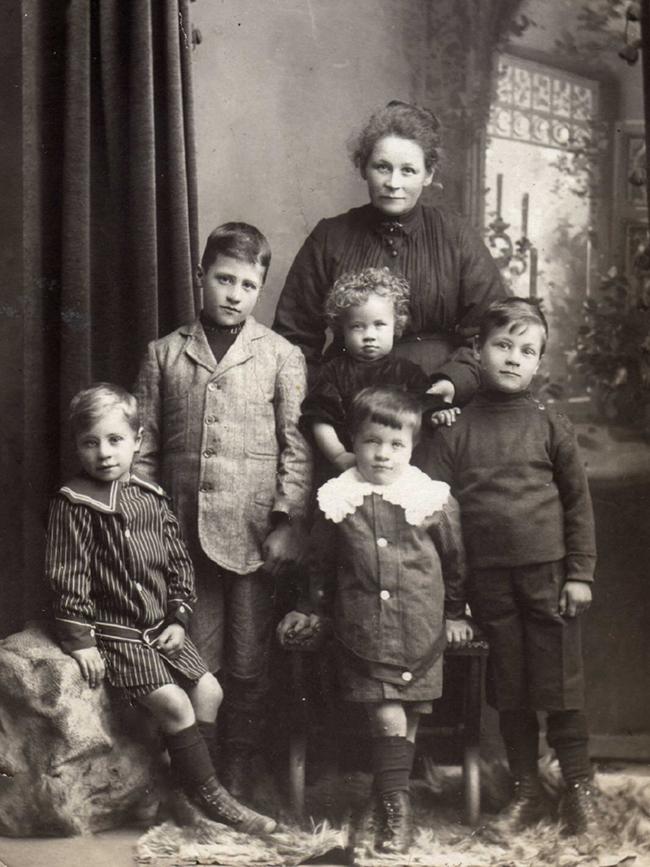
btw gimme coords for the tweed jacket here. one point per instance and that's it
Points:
(223, 438)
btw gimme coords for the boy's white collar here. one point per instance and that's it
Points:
(418, 494)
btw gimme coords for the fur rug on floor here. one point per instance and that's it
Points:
(441, 839)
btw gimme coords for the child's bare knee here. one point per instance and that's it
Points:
(210, 689)
(171, 707)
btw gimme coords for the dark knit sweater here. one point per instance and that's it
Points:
(513, 464)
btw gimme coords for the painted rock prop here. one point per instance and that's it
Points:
(72, 761)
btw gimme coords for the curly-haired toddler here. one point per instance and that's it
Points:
(368, 310)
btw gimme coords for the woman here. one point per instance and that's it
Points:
(450, 271)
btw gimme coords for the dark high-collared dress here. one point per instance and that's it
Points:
(341, 378)
(115, 558)
(452, 275)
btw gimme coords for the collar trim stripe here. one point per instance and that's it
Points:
(77, 497)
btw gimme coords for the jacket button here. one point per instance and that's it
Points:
(393, 253)
(208, 453)
(127, 533)
(204, 488)
(381, 542)
(407, 676)
(384, 594)
(211, 419)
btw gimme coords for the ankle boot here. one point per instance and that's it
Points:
(397, 826)
(373, 819)
(219, 805)
(528, 806)
(578, 809)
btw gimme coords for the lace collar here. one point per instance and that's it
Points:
(418, 494)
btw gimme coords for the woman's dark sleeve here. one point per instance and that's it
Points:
(480, 284)
(299, 314)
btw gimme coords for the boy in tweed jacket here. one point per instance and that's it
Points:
(221, 400)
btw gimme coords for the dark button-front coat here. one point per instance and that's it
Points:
(390, 566)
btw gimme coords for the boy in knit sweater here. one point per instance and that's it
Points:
(513, 465)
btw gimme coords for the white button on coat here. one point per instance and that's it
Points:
(381, 542)
(407, 676)
(384, 594)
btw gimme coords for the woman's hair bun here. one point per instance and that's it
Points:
(416, 109)
(405, 120)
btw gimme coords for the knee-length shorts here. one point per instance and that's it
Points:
(535, 656)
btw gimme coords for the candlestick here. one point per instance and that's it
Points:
(590, 237)
(533, 272)
(499, 193)
(524, 216)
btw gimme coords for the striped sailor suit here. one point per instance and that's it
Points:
(119, 567)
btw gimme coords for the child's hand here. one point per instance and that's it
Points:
(171, 640)
(91, 664)
(445, 416)
(296, 627)
(575, 598)
(283, 549)
(459, 632)
(344, 461)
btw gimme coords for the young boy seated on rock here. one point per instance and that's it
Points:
(124, 592)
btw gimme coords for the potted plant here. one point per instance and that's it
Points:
(613, 350)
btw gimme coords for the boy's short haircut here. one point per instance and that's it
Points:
(354, 289)
(514, 311)
(394, 407)
(89, 405)
(239, 241)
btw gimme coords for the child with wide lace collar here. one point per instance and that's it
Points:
(388, 569)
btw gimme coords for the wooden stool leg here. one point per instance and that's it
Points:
(298, 738)
(471, 753)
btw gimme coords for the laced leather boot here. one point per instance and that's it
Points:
(578, 810)
(528, 806)
(396, 834)
(218, 804)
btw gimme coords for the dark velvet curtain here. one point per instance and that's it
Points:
(110, 237)
(645, 55)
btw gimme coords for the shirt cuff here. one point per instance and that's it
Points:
(75, 634)
(178, 611)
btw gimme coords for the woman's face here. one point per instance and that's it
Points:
(396, 175)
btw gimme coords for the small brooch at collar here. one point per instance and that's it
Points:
(391, 227)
